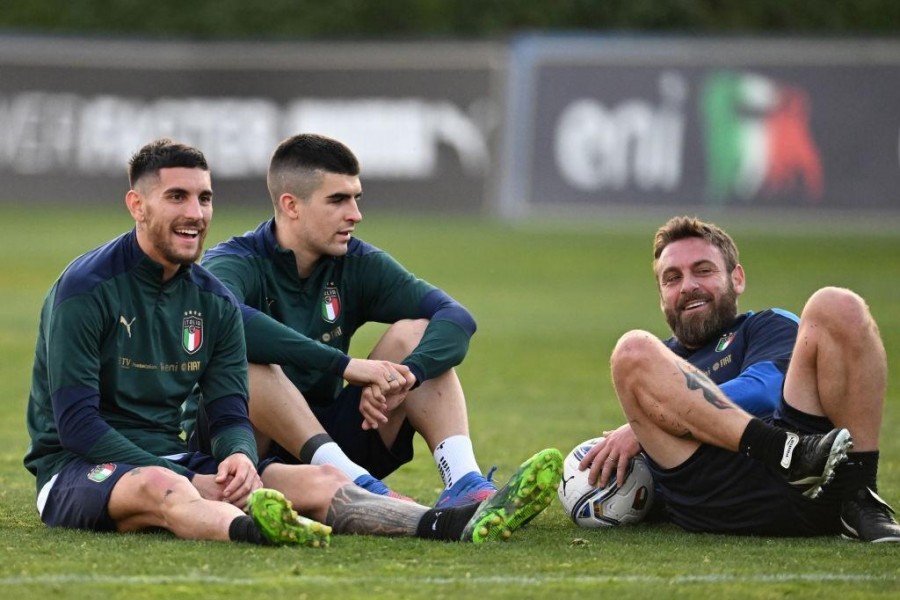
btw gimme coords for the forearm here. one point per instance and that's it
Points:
(271, 342)
(443, 346)
(757, 390)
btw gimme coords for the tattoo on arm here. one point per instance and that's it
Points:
(354, 510)
(698, 381)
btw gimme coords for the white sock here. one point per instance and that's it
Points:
(330, 453)
(454, 458)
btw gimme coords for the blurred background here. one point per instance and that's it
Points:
(517, 153)
(503, 108)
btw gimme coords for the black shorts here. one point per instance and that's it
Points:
(343, 422)
(719, 491)
(78, 496)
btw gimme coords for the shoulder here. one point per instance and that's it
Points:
(258, 242)
(359, 248)
(770, 328)
(208, 283)
(369, 258)
(771, 316)
(675, 346)
(101, 264)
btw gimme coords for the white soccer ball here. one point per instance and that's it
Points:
(590, 506)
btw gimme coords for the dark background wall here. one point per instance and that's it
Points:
(315, 19)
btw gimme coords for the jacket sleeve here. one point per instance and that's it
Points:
(269, 341)
(391, 293)
(770, 343)
(225, 390)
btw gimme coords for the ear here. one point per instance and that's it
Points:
(135, 204)
(738, 279)
(290, 205)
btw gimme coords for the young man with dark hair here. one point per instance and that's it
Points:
(312, 285)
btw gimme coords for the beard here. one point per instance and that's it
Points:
(159, 235)
(695, 331)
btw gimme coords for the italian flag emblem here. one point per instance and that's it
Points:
(192, 332)
(101, 472)
(331, 304)
(725, 341)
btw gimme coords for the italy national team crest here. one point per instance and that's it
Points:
(331, 304)
(725, 341)
(101, 473)
(192, 331)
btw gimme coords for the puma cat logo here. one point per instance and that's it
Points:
(127, 324)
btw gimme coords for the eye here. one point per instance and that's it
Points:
(670, 279)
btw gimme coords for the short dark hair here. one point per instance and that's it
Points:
(679, 228)
(163, 154)
(299, 162)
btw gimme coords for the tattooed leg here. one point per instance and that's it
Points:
(698, 381)
(658, 393)
(356, 511)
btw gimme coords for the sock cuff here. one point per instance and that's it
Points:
(245, 529)
(755, 428)
(312, 444)
(424, 528)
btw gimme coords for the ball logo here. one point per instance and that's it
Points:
(640, 498)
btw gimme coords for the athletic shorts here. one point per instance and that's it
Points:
(343, 422)
(78, 496)
(719, 491)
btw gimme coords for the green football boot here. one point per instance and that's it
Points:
(280, 523)
(528, 492)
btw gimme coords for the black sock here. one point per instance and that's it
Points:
(311, 445)
(245, 529)
(445, 523)
(859, 472)
(763, 442)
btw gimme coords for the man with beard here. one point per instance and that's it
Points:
(746, 418)
(133, 327)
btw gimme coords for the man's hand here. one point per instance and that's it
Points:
(233, 482)
(375, 406)
(388, 377)
(611, 455)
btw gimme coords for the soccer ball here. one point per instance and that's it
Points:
(589, 506)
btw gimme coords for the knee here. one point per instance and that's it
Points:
(632, 352)
(402, 337)
(161, 484)
(841, 311)
(331, 478)
(261, 370)
(260, 374)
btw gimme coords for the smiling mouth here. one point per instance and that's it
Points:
(694, 304)
(191, 233)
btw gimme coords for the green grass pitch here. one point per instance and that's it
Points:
(550, 299)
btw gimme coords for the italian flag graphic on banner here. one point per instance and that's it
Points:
(331, 304)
